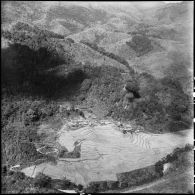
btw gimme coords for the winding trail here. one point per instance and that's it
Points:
(162, 180)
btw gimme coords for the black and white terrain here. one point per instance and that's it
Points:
(97, 97)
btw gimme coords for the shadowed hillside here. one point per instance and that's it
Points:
(46, 54)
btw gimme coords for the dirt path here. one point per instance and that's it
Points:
(145, 186)
(152, 184)
(138, 188)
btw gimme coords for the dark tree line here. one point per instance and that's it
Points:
(101, 50)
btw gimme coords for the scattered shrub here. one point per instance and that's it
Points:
(141, 44)
(70, 40)
(42, 180)
(10, 172)
(4, 170)
(31, 116)
(80, 187)
(112, 185)
(86, 84)
(177, 157)
(95, 187)
(19, 176)
(189, 147)
(132, 86)
(159, 168)
(12, 181)
(76, 153)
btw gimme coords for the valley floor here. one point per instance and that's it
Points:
(105, 150)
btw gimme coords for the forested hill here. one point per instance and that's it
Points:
(157, 104)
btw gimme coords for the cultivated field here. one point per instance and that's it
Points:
(105, 151)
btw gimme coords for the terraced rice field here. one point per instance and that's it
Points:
(106, 151)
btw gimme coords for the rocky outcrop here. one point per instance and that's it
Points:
(86, 84)
(76, 153)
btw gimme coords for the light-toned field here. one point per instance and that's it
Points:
(106, 151)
